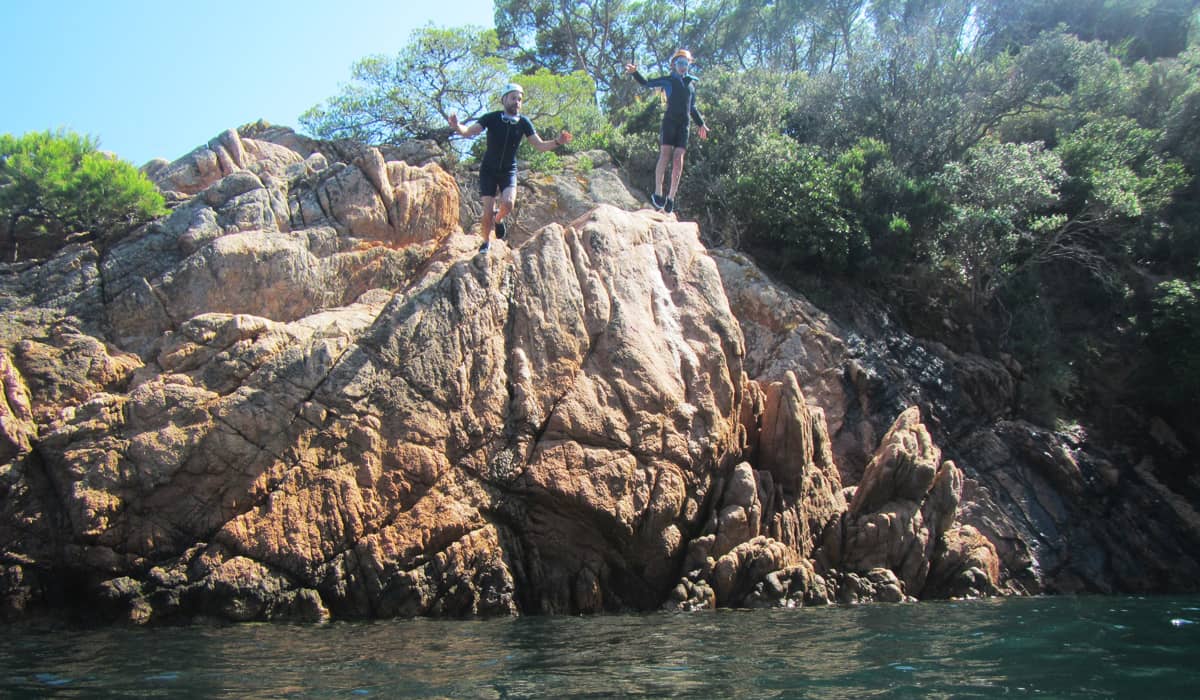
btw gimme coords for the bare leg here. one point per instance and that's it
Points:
(508, 199)
(487, 223)
(676, 171)
(660, 169)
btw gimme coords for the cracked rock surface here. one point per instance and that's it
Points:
(303, 394)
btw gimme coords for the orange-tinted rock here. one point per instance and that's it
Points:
(305, 394)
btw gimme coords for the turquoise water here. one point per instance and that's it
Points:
(1044, 647)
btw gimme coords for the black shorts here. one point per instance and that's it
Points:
(674, 132)
(491, 184)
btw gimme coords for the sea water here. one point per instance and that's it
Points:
(1055, 647)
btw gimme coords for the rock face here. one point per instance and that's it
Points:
(303, 394)
(902, 509)
(1059, 511)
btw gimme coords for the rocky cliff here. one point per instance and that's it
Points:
(303, 394)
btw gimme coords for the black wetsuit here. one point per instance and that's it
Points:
(498, 169)
(681, 103)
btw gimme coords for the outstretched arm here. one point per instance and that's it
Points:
(633, 70)
(464, 131)
(543, 146)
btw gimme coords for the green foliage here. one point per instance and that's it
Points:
(788, 197)
(1174, 344)
(1117, 171)
(412, 94)
(888, 207)
(1182, 113)
(919, 94)
(54, 184)
(548, 162)
(1140, 29)
(998, 197)
(564, 102)
(589, 36)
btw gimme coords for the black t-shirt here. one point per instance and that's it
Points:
(503, 137)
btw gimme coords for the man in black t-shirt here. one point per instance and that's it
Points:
(498, 169)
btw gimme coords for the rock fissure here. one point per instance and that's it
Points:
(600, 414)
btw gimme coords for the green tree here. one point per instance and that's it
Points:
(999, 200)
(412, 94)
(1115, 197)
(561, 102)
(592, 36)
(889, 209)
(564, 101)
(54, 185)
(1142, 29)
(1174, 345)
(922, 93)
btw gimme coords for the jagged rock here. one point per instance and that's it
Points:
(877, 585)
(224, 155)
(905, 503)
(791, 442)
(18, 428)
(861, 370)
(965, 565)
(1064, 512)
(18, 590)
(279, 245)
(785, 333)
(304, 394)
(760, 572)
(324, 401)
(765, 523)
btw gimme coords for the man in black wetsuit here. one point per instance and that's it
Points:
(498, 169)
(673, 139)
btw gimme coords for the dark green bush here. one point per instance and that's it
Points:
(787, 197)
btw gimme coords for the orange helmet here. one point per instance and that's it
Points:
(684, 53)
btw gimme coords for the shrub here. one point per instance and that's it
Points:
(57, 184)
(1174, 343)
(787, 197)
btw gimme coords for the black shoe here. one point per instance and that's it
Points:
(669, 206)
(487, 245)
(657, 201)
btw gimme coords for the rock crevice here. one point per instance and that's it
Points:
(305, 394)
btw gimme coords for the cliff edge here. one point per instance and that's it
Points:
(303, 394)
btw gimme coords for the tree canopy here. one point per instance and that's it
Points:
(412, 94)
(57, 184)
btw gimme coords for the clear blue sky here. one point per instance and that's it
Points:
(156, 78)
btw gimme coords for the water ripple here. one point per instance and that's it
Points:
(1050, 647)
